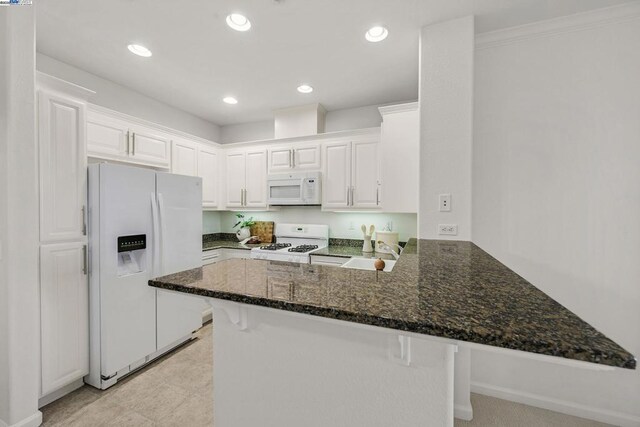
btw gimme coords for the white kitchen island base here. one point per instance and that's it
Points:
(278, 368)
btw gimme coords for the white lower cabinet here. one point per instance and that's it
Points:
(216, 255)
(64, 314)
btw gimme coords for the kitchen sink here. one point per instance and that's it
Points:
(367, 264)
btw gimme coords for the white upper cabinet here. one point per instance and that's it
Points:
(208, 162)
(184, 158)
(107, 137)
(236, 168)
(336, 177)
(114, 138)
(246, 178)
(298, 157)
(256, 179)
(399, 152)
(64, 315)
(63, 166)
(364, 174)
(350, 177)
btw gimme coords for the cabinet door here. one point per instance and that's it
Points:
(336, 180)
(63, 167)
(150, 147)
(364, 175)
(107, 138)
(184, 158)
(64, 311)
(307, 157)
(236, 167)
(280, 159)
(256, 179)
(208, 170)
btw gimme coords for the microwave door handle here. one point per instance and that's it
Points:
(302, 189)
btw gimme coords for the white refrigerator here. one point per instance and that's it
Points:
(142, 224)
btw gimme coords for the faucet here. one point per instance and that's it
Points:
(382, 245)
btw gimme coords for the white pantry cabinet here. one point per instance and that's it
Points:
(114, 138)
(63, 166)
(196, 159)
(351, 175)
(294, 157)
(64, 298)
(64, 314)
(246, 178)
(399, 153)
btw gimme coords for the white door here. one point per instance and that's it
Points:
(150, 147)
(64, 315)
(236, 167)
(208, 170)
(364, 174)
(180, 220)
(107, 137)
(127, 302)
(280, 159)
(63, 167)
(184, 158)
(256, 179)
(307, 157)
(336, 180)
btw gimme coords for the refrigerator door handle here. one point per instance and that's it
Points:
(161, 224)
(156, 236)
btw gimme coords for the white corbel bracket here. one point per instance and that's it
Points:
(236, 313)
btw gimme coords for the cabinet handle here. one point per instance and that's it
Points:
(133, 145)
(128, 141)
(241, 197)
(293, 157)
(84, 220)
(84, 260)
(348, 195)
(377, 196)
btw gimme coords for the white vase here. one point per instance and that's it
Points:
(243, 233)
(366, 247)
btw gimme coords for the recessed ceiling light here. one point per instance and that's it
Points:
(139, 50)
(238, 22)
(376, 34)
(230, 100)
(305, 89)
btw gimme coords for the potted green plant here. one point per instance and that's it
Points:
(244, 227)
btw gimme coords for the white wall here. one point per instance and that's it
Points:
(128, 101)
(211, 222)
(556, 194)
(346, 119)
(341, 224)
(446, 126)
(19, 298)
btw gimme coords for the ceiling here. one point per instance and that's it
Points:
(197, 59)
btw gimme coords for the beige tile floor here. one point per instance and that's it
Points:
(177, 391)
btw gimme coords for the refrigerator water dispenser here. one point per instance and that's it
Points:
(131, 250)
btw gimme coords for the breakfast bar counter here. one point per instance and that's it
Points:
(287, 336)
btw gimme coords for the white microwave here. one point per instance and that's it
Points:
(294, 189)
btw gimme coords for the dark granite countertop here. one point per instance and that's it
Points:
(226, 244)
(448, 289)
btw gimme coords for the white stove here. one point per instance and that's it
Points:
(294, 243)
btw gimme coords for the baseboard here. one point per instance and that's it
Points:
(32, 421)
(463, 412)
(55, 395)
(557, 405)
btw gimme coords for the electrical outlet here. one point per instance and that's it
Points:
(448, 229)
(351, 226)
(445, 202)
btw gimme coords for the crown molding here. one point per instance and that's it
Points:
(398, 108)
(46, 81)
(564, 24)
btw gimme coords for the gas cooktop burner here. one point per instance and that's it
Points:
(303, 248)
(275, 246)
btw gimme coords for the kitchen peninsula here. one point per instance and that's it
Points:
(376, 348)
